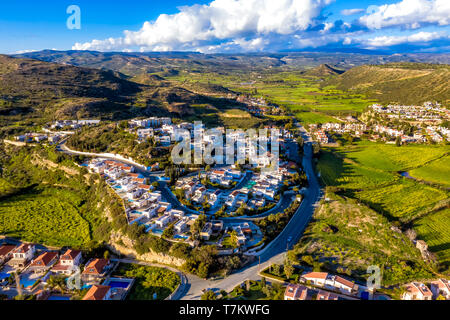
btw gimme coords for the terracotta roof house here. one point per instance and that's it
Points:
(297, 292)
(98, 292)
(22, 255)
(317, 278)
(44, 262)
(6, 252)
(325, 295)
(441, 287)
(95, 270)
(68, 262)
(417, 291)
(344, 285)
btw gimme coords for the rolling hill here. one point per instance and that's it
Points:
(408, 83)
(33, 92)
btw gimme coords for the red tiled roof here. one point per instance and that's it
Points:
(95, 267)
(316, 275)
(44, 259)
(296, 292)
(70, 254)
(24, 247)
(325, 295)
(345, 282)
(6, 249)
(97, 292)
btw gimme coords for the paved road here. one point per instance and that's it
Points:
(275, 251)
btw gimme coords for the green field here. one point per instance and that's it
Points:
(303, 95)
(434, 229)
(148, 281)
(369, 172)
(436, 172)
(45, 215)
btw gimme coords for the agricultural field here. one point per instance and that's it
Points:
(45, 215)
(434, 229)
(437, 171)
(346, 237)
(405, 200)
(369, 173)
(148, 281)
(302, 94)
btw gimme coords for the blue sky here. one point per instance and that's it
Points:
(227, 25)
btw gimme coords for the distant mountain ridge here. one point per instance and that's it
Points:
(133, 64)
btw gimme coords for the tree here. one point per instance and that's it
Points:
(398, 141)
(234, 239)
(208, 295)
(276, 269)
(202, 270)
(288, 270)
(198, 225)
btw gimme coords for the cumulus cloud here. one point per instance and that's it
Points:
(410, 14)
(245, 24)
(350, 12)
(387, 41)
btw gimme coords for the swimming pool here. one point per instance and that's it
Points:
(157, 231)
(4, 275)
(122, 283)
(58, 298)
(118, 284)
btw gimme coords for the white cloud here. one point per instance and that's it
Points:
(386, 41)
(244, 24)
(350, 12)
(408, 14)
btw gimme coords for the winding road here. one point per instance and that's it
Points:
(275, 251)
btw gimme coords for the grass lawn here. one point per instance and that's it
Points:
(51, 216)
(148, 280)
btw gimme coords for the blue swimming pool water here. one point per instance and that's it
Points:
(27, 283)
(59, 298)
(4, 275)
(118, 284)
(157, 231)
(177, 236)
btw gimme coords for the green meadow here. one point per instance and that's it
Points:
(45, 215)
(303, 95)
(437, 171)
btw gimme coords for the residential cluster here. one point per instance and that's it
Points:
(410, 124)
(35, 266)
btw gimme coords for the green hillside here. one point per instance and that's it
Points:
(409, 83)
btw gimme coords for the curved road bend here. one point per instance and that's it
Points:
(275, 251)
